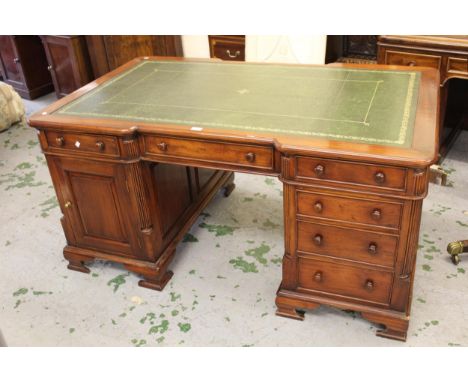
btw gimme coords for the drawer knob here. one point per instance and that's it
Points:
(68, 204)
(379, 177)
(318, 239)
(162, 146)
(319, 170)
(318, 276)
(236, 54)
(60, 141)
(16, 60)
(318, 207)
(376, 214)
(412, 63)
(369, 284)
(100, 145)
(372, 248)
(250, 157)
(49, 68)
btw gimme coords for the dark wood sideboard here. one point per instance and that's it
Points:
(23, 65)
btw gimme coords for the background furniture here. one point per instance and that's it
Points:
(230, 48)
(447, 54)
(23, 65)
(109, 52)
(351, 48)
(352, 209)
(68, 61)
(11, 106)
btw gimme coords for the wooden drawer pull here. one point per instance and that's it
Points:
(162, 146)
(60, 141)
(318, 276)
(318, 239)
(412, 63)
(372, 248)
(376, 214)
(250, 157)
(319, 170)
(369, 284)
(379, 177)
(318, 207)
(100, 145)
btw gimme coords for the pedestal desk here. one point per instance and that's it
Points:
(137, 154)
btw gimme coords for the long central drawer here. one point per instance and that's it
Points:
(234, 155)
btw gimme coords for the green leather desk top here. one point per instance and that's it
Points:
(363, 106)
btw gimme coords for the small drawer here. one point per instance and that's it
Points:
(363, 211)
(347, 281)
(457, 65)
(244, 156)
(346, 243)
(229, 52)
(412, 59)
(98, 144)
(351, 173)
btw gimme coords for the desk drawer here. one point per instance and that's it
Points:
(412, 59)
(248, 156)
(351, 173)
(99, 144)
(375, 213)
(346, 243)
(229, 51)
(348, 281)
(457, 65)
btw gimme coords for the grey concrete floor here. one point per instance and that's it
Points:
(226, 272)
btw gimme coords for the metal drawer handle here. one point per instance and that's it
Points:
(372, 248)
(376, 214)
(379, 177)
(162, 146)
(100, 145)
(237, 54)
(16, 60)
(319, 170)
(318, 207)
(369, 284)
(318, 276)
(250, 157)
(60, 141)
(318, 239)
(68, 204)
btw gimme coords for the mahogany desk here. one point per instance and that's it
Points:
(137, 154)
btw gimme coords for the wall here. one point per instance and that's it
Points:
(261, 48)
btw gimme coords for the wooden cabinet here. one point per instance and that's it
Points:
(110, 52)
(447, 54)
(23, 65)
(230, 48)
(68, 62)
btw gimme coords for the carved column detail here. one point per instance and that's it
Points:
(137, 189)
(130, 148)
(412, 241)
(420, 182)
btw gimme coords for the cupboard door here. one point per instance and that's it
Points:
(10, 60)
(60, 65)
(95, 202)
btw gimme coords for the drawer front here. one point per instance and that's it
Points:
(98, 144)
(349, 281)
(457, 65)
(375, 213)
(248, 156)
(412, 59)
(230, 52)
(346, 243)
(351, 173)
